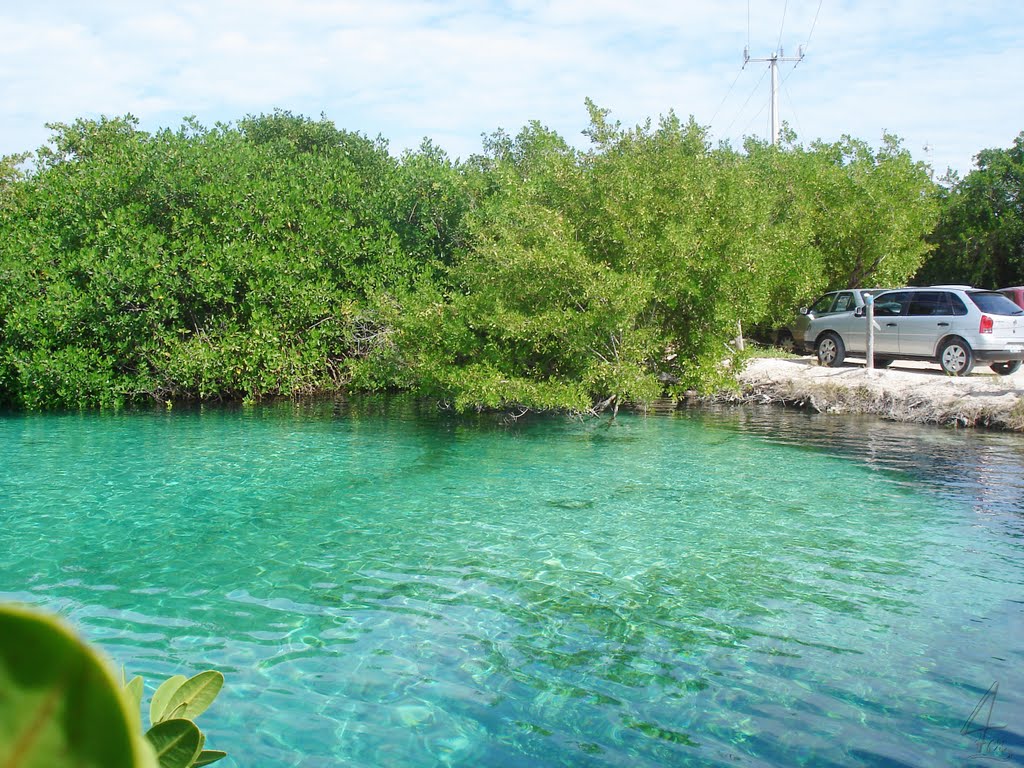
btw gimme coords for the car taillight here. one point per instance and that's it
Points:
(986, 324)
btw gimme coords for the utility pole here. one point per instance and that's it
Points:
(928, 153)
(773, 61)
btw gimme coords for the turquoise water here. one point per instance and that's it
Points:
(384, 586)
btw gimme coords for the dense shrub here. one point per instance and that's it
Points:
(283, 256)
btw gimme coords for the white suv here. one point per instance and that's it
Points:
(953, 326)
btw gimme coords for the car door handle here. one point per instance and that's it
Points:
(890, 325)
(943, 325)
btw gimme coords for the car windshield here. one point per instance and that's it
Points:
(994, 303)
(823, 305)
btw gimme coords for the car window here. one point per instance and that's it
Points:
(823, 305)
(844, 302)
(929, 303)
(891, 304)
(957, 304)
(994, 303)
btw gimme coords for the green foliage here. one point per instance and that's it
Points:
(430, 197)
(59, 704)
(176, 703)
(192, 264)
(873, 210)
(599, 276)
(284, 256)
(162, 696)
(176, 743)
(527, 317)
(979, 239)
(191, 697)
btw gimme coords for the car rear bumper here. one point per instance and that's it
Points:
(998, 355)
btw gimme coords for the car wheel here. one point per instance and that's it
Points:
(831, 351)
(785, 341)
(1007, 368)
(956, 357)
(882, 362)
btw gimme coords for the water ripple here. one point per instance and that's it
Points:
(743, 587)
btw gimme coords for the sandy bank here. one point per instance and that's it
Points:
(915, 392)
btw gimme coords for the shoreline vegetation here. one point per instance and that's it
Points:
(283, 257)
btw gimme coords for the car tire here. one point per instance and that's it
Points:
(830, 350)
(956, 357)
(785, 341)
(882, 362)
(1007, 368)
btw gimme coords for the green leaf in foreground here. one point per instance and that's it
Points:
(158, 705)
(177, 742)
(60, 705)
(193, 696)
(133, 690)
(208, 756)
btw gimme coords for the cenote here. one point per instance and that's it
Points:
(386, 585)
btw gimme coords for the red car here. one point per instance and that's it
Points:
(1015, 294)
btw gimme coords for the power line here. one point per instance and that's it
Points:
(795, 64)
(773, 65)
(778, 46)
(773, 60)
(753, 119)
(736, 80)
(792, 107)
(747, 102)
(807, 43)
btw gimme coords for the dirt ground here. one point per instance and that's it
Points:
(915, 392)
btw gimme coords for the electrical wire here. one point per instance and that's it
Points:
(790, 72)
(807, 43)
(751, 122)
(783, 80)
(782, 26)
(736, 80)
(726, 132)
(792, 108)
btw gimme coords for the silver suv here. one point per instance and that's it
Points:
(953, 326)
(802, 332)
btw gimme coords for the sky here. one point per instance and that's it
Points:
(944, 76)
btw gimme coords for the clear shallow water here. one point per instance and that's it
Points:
(386, 587)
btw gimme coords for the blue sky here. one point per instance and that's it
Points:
(940, 74)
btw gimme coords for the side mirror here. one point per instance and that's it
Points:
(859, 312)
(804, 311)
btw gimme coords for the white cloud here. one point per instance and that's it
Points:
(939, 72)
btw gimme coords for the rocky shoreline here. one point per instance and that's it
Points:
(907, 392)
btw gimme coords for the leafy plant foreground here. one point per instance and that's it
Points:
(61, 706)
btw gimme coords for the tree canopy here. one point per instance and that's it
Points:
(979, 239)
(284, 256)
